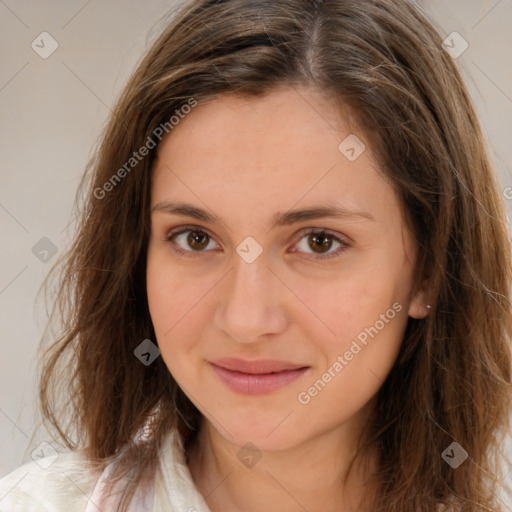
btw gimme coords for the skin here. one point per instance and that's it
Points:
(245, 159)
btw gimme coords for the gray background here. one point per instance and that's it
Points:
(52, 111)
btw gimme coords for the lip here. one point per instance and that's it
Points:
(256, 377)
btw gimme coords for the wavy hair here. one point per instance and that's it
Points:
(384, 61)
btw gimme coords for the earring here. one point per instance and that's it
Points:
(428, 306)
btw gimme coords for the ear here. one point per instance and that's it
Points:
(419, 302)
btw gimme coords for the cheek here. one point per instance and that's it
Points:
(159, 293)
(171, 293)
(355, 362)
(166, 307)
(366, 316)
(165, 295)
(342, 308)
(367, 312)
(176, 303)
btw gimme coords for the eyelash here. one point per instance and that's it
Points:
(193, 254)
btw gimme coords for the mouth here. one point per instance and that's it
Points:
(256, 377)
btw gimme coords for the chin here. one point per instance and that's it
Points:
(268, 432)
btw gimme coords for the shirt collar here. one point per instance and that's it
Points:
(176, 489)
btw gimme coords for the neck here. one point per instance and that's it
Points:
(310, 476)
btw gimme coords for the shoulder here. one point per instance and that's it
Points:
(52, 483)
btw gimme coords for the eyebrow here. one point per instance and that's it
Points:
(279, 219)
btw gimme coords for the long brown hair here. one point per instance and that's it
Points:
(384, 60)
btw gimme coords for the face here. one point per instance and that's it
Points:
(277, 317)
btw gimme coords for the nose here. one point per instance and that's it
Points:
(250, 302)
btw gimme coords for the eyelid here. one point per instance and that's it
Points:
(337, 236)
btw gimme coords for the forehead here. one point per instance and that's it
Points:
(269, 153)
(255, 123)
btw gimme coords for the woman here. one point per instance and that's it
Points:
(290, 287)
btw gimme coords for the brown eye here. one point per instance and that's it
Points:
(197, 240)
(320, 242)
(316, 244)
(189, 240)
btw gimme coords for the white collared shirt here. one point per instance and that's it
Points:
(65, 485)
